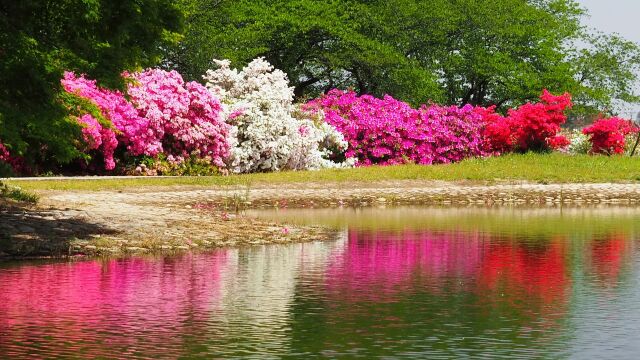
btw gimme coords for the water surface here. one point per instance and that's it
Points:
(411, 282)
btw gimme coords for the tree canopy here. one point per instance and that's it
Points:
(483, 52)
(40, 39)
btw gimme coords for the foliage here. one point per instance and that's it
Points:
(453, 52)
(608, 136)
(41, 39)
(17, 194)
(265, 134)
(319, 44)
(388, 131)
(172, 166)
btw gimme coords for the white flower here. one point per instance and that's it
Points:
(265, 135)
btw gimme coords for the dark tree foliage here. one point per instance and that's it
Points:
(40, 39)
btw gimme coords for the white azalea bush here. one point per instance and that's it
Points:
(580, 143)
(268, 133)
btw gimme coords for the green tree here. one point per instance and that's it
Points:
(483, 52)
(40, 39)
(319, 44)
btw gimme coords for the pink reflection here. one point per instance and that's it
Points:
(389, 262)
(77, 300)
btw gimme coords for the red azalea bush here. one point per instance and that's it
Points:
(558, 142)
(607, 136)
(388, 131)
(529, 127)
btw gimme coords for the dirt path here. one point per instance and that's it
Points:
(182, 218)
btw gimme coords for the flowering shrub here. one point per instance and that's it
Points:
(387, 131)
(133, 130)
(558, 142)
(265, 135)
(497, 133)
(97, 137)
(15, 164)
(529, 127)
(608, 136)
(165, 116)
(533, 124)
(183, 118)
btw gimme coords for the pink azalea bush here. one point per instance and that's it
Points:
(184, 117)
(388, 131)
(165, 115)
(98, 137)
(133, 130)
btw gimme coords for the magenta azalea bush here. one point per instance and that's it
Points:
(388, 131)
(115, 107)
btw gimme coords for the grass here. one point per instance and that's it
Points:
(540, 168)
(17, 194)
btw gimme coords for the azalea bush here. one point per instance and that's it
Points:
(9, 164)
(531, 127)
(388, 131)
(558, 143)
(609, 135)
(265, 134)
(164, 116)
(184, 117)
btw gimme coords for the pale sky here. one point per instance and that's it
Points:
(615, 16)
(620, 16)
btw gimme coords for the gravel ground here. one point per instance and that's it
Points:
(142, 220)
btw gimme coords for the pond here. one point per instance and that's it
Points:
(404, 282)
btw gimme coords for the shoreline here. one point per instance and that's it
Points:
(174, 219)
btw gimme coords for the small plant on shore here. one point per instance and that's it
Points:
(17, 194)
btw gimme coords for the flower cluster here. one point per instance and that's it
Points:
(265, 134)
(16, 163)
(387, 131)
(558, 142)
(608, 136)
(165, 115)
(97, 137)
(533, 126)
(183, 118)
(115, 107)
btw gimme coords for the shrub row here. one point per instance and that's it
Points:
(245, 121)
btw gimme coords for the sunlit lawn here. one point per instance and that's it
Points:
(541, 168)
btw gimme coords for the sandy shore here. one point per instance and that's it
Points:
(143, 220)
